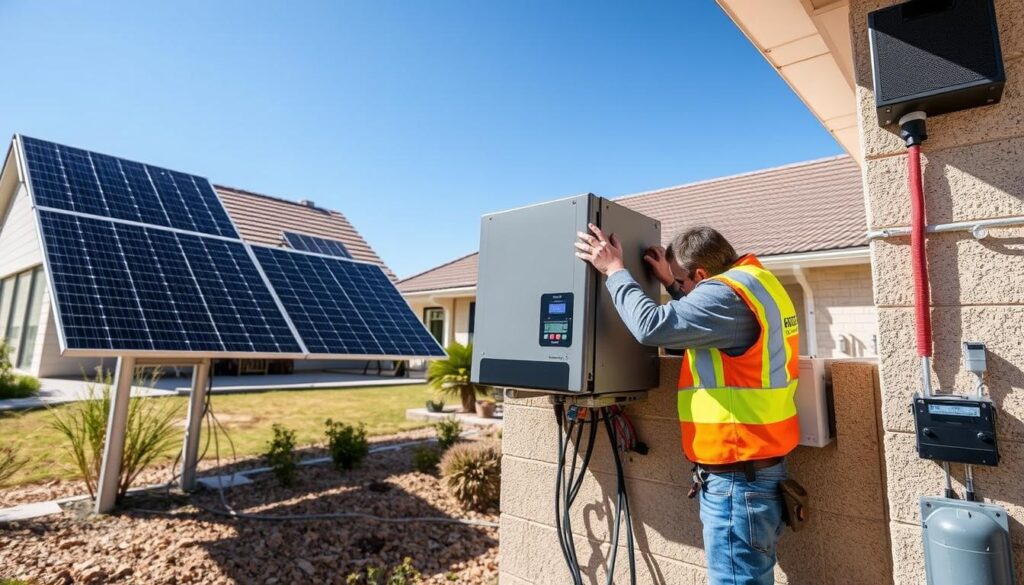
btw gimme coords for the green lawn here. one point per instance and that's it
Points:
(247, 417)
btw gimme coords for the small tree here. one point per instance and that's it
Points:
(451, 376)
(151, 431)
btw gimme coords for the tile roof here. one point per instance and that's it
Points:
(262, 219)
(804, 207)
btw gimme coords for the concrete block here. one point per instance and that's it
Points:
(1000, 121)
(961, 184)
(530, 433)
(1000, 327)
(961, 269)
(907, 553)
(665, 522)
(510, 579)
(523, 557)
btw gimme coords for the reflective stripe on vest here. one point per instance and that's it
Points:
(741, 408)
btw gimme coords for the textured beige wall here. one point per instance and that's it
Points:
(972, 170)
(846, 480)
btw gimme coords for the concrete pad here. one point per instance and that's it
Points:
(463, 417)
(29, 511)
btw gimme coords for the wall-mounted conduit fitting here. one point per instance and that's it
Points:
(979, 229)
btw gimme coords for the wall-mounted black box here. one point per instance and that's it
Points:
(957, 429)
(936, 56)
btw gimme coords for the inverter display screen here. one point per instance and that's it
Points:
(556, 308)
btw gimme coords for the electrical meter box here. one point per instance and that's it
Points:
(544, 318)
(957, 429)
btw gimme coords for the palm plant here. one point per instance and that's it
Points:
(451, 376)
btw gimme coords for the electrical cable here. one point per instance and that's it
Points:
(621, 507)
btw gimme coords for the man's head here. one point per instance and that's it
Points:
(699, 253)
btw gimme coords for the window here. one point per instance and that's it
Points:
(472, 320)
(433, 318)
(21, 297)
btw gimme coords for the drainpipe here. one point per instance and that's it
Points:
(811, 324)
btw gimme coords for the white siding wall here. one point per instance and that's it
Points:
(19, 245)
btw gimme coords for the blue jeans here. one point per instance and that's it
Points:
(742, 523)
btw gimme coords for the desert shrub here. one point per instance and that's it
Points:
(151, 431)
(426, 458)
(14, 385)
(347, 444)
(10, 463)
(280, 455)
(472, 474)
(403, 574)
(448, 432)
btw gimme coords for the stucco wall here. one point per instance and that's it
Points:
(846, 541)
(972, 170)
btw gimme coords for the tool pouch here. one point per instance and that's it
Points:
(796, 501)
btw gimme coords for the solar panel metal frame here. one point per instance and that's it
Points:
(22, 168)
(327, 356)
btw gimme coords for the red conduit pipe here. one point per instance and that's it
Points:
(922, 299)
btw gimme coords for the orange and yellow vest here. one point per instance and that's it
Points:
(741, 408)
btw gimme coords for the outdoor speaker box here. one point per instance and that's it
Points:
(935, 56)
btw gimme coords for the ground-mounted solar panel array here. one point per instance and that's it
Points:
(145, 261)
(305, 242)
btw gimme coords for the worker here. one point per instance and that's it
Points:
(739, 373)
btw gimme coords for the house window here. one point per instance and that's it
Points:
(433, 318)
(20, 303)
(472, 320)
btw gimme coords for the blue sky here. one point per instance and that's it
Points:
(413, 118)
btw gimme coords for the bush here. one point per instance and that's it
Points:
(280, 455)
(472, 473)
(14, 385)
(426, 458)
(347, 444)
(403, 574)
(150, 433)
(10, 463)
(448, 432)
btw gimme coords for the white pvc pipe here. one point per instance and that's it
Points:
(811, 325)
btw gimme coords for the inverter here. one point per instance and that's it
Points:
(544, 318)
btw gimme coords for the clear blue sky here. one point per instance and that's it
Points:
(413, 118)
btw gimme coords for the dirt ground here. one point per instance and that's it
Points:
(167, 538)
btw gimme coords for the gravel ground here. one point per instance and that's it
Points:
(169, 538)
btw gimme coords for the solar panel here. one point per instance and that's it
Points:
(77, 180)
(316, 244)
(342, 306)
(124, 287)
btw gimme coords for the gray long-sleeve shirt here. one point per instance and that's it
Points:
(711, 316)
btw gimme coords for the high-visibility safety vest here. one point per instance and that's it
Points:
(741, 408)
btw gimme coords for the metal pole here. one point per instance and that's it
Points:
(196, 411)
(113, 449)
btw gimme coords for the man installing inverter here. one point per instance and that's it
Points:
(739, 374)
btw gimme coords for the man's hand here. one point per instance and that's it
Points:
(655, 258)
(605, 254)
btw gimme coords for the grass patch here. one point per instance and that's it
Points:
(247, 417)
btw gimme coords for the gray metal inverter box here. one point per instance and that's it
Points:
(544, 318)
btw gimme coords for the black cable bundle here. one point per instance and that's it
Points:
(567, 485)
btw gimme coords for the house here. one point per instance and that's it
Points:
(805, 221)
(26, 317)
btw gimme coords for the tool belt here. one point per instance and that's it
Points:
(795, 499)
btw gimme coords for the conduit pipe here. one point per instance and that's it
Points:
(810, 326)
(912, 129)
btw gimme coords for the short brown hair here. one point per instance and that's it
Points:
(701, 247)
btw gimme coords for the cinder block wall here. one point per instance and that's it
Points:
(972, 170)
(846, 542)
(844, 308)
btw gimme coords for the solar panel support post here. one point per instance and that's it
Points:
(113, 449)
(194, 425)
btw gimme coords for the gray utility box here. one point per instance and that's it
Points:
(544, 319)
(966, 543)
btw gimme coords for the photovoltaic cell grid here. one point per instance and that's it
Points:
(126, 287)
(86, 182)
(344, 307)
(316, 244)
